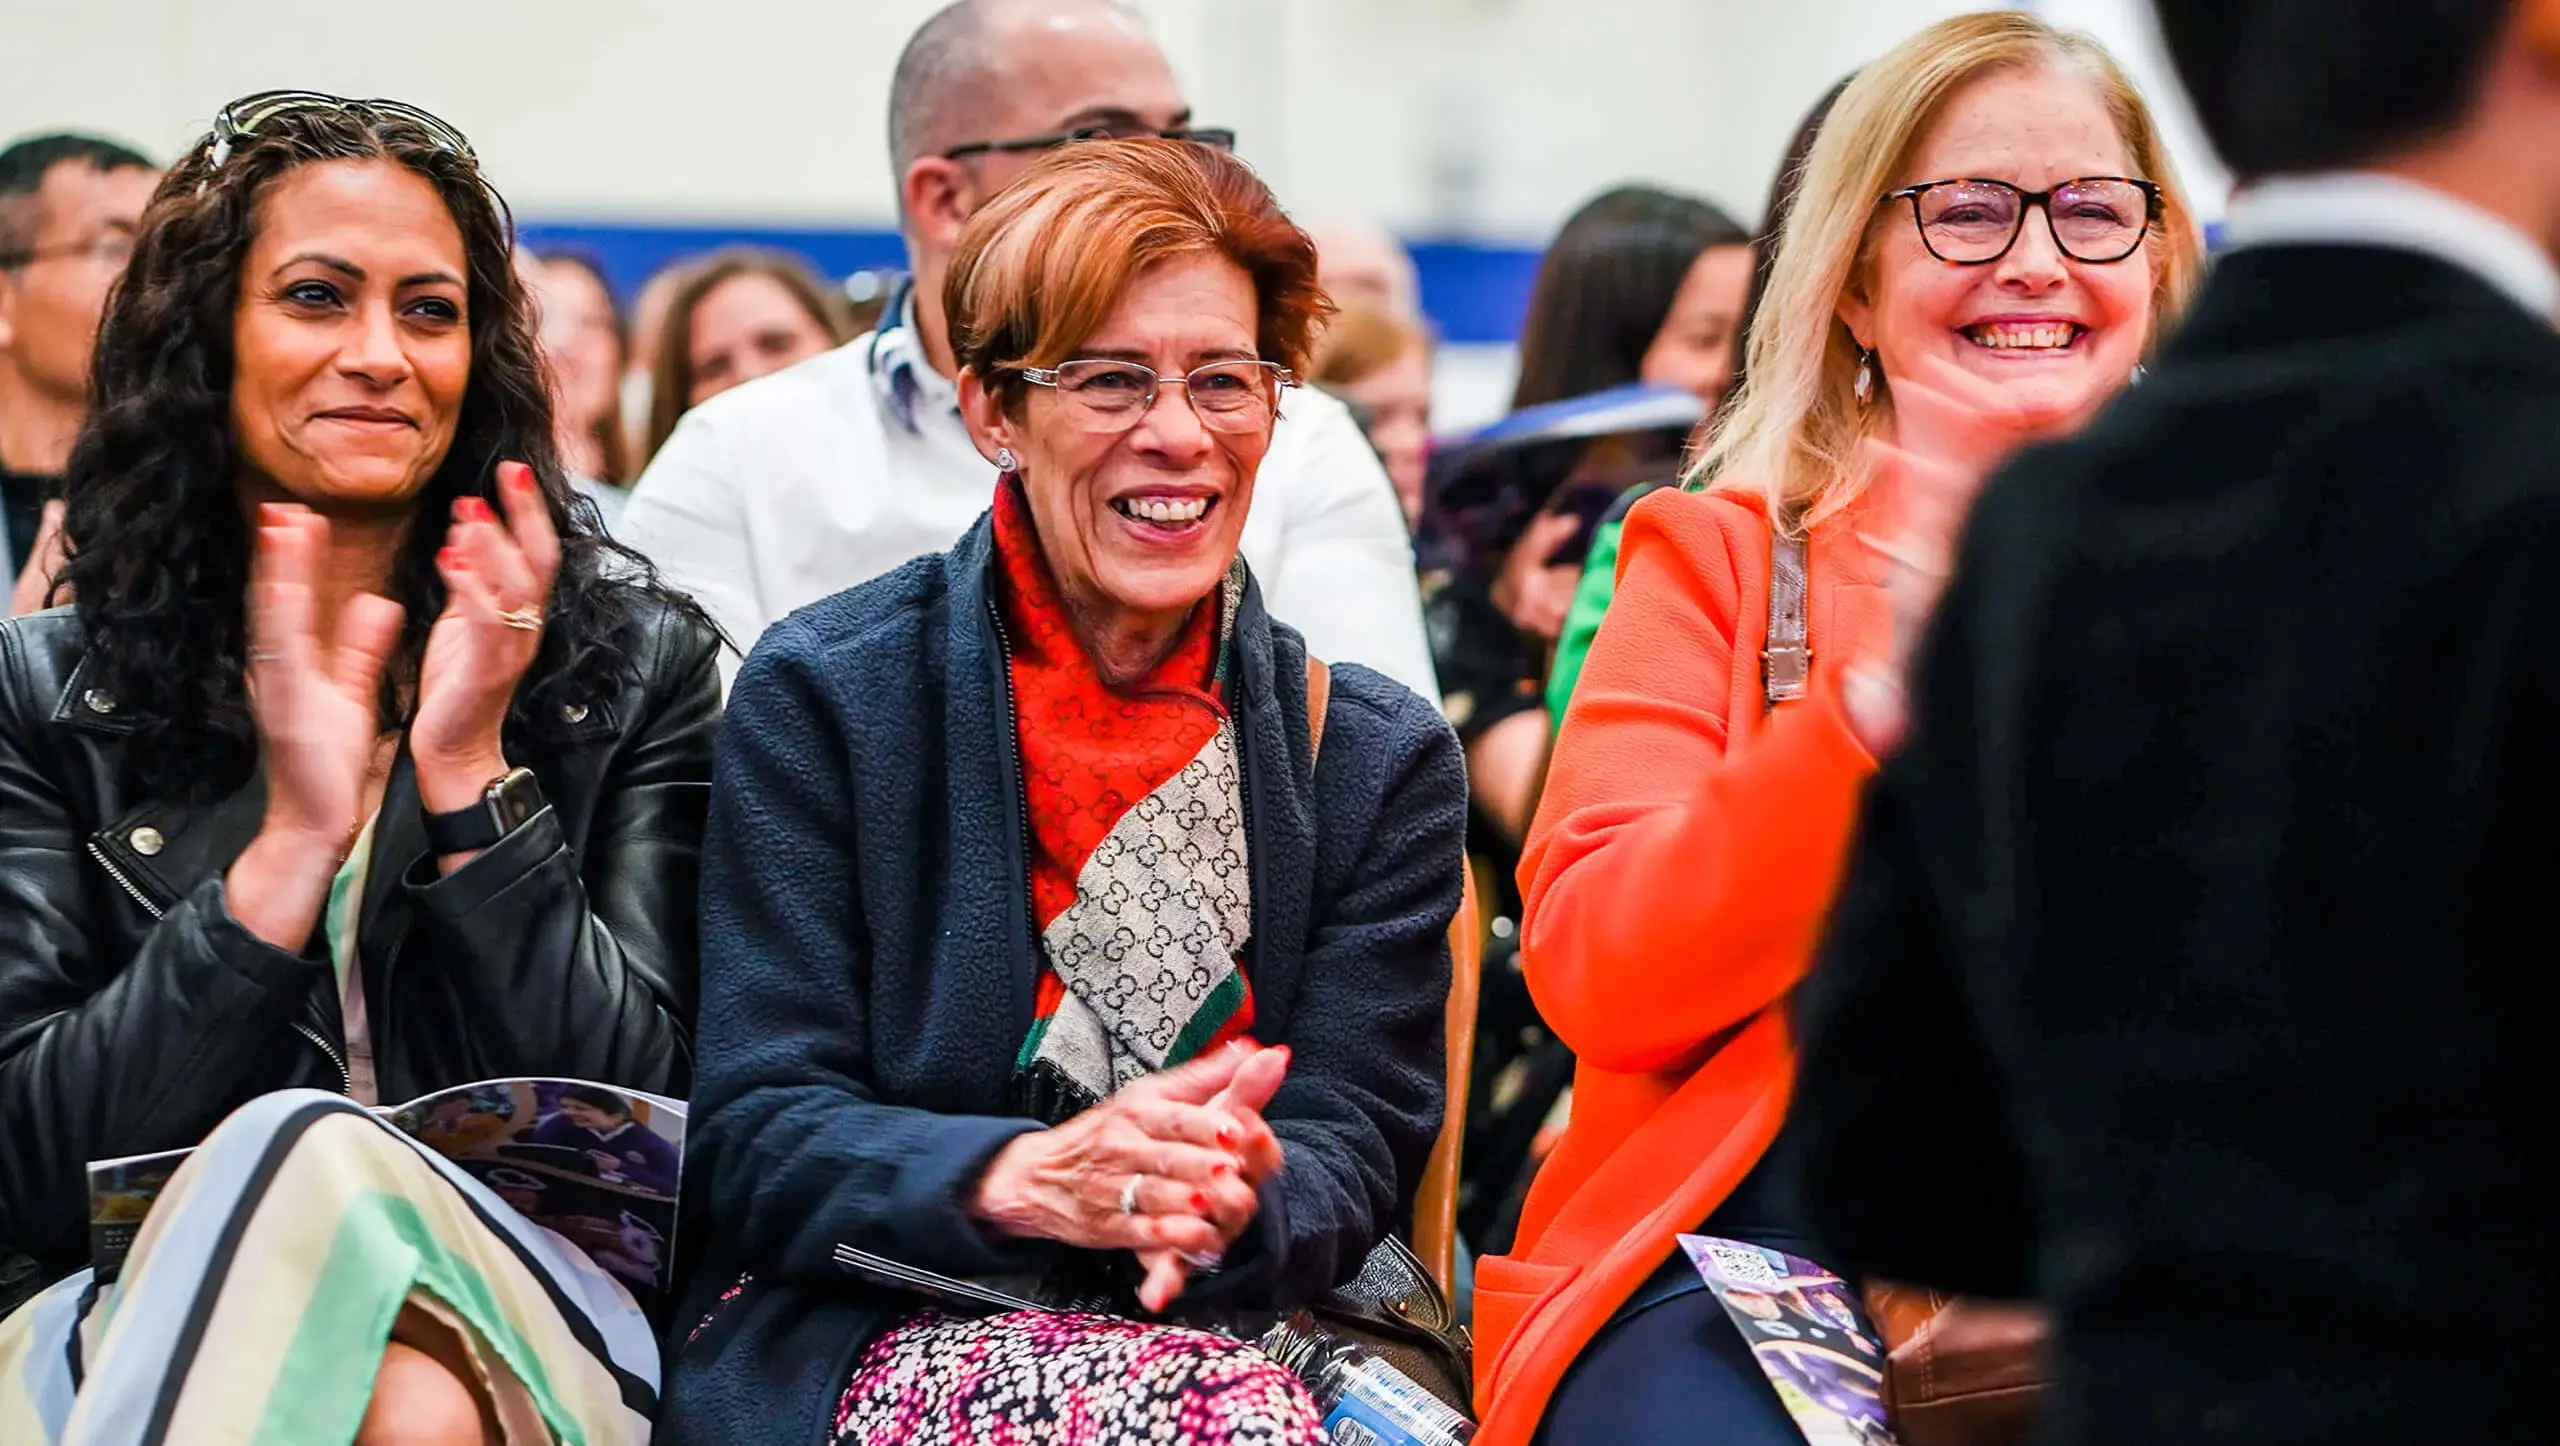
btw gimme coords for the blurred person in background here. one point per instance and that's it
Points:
(582, 340)
(1599, 581)
(1363, 264)
(734, 316)
(359, 768)
(1987, 239)
(1642, 286)
(950, 795)
(1379, 363)
(646, 326)
(815, 479)
(68, 206)
(2197, 906)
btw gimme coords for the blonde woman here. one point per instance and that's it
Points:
(1987, 241)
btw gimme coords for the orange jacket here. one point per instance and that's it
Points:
(1683, 857)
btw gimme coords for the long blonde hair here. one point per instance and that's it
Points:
(1793, 434)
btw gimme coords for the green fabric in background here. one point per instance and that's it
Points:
(1591, 601)
(1582, 620)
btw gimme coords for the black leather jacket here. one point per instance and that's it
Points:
(135, 1012)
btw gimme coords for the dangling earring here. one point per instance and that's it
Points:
(1865, 386)
(2139, 372)
(1005, 460)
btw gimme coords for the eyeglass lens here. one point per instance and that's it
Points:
(1239, 396)
(1973, 221)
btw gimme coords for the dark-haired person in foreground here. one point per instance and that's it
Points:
(2183, 973)
(358, 769)
(68, 204)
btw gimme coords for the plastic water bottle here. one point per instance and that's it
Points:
(1365, 1401)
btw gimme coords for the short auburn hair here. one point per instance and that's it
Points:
(1039, 267)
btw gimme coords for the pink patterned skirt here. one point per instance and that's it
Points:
(1069, 1380)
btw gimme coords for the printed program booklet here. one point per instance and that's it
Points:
(595, 1164)
(1809, 1333)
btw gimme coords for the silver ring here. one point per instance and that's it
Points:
(266, 655)
(1129, 1195)
(526, 619)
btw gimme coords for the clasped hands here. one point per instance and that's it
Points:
(1169, 1168)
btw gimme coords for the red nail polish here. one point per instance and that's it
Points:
(1199, 1202)
(1224, 1168)
(1226, 1138)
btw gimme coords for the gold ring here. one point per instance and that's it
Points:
(524, 619)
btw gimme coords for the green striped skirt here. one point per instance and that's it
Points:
(260, 1295)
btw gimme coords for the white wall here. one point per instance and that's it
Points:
(1445, 117)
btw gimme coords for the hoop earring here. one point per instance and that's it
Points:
(1006, 461)
(1865, 386)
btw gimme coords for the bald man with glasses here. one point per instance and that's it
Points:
(812, 480)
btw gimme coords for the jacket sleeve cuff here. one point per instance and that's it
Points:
(491, 872)
(929, 1203)
(233, 944)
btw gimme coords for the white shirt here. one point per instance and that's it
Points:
(801, 484)
(2361, 208)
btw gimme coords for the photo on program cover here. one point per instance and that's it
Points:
(1809, 1334)
(596, 1165)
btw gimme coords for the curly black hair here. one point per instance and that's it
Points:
(159, 540)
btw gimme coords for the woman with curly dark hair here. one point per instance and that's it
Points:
(336, 785)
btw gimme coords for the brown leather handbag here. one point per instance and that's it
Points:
(1958, 1371)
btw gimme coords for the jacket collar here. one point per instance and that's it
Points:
(2312, 298)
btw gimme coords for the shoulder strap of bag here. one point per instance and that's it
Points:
(1785, 662)
(1319, 693)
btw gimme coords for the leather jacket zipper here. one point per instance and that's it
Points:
(129, 886)
(346, 1077)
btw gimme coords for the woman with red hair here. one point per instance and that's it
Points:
(1041, 938)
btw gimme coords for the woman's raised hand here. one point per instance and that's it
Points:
(1160, 1148)
(317, 705)
(317, 701)
(497, 577)
(1951, 430)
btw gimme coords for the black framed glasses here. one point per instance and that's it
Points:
(2098, 220)
(1228, 396)
(1216, 138)
(241, 119)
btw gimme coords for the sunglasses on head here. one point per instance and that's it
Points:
(241, 119)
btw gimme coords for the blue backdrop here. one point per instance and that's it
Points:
(1472, 291)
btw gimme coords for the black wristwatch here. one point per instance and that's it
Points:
(502, 809)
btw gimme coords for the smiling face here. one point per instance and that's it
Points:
(1139, 522)
(351, 342)
(2054, 333)
(743, 328)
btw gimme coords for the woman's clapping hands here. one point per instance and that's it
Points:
(1167, 1168)
(498, 575)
